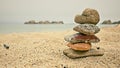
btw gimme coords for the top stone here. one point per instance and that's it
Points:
(89, 16)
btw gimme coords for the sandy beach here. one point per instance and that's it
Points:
(45, 50)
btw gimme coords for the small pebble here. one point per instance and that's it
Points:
(98, 47)
(6, 46)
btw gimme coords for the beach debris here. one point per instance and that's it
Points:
(80, 42)
(98, 47)
(62, 66)
(88, 16)
(6, 46)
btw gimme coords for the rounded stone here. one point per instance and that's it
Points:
(81, 38)
(88, 29)
(88, 16)
(80, 46)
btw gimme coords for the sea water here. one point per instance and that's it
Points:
(15, 28)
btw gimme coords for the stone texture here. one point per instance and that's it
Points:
(78, 37)
(78, 54)
(89, 16)
(88, 29)
(80, 46)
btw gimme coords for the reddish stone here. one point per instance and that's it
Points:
(78, 37)
(80, 46)
(86, 38)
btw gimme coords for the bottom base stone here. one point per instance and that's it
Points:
(78, 54)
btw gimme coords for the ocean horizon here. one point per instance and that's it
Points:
(21, 27)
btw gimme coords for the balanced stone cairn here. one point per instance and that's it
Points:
(80, 43)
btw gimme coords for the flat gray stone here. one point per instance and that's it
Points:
(79, 54)
(88, 29)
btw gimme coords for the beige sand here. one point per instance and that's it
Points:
(45, 50)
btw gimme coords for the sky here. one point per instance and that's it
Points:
(19, 11)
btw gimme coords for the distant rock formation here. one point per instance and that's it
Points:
(43, 22)
(118, 22)
(109, 22)
(30, 22)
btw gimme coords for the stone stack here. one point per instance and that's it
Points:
(80, 43)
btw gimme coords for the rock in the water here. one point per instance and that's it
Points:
(89, 16)
(80, 38)
(88, 29)
(116, 22)
(78, 54)
(107, 22)
(31, 22)
(80, 46)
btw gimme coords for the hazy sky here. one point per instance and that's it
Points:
(20, 11)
